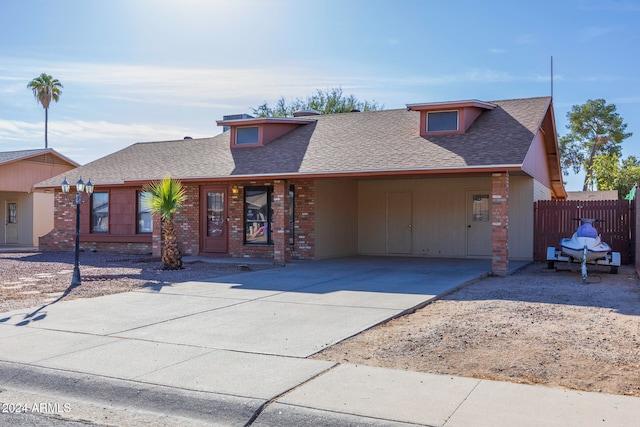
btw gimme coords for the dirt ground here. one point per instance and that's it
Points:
(537, 326)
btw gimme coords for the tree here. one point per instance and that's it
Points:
(595, 129)
(167, 196)
(612, 173)
(45, 88)
(331, 101)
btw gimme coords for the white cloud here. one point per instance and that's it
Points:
(594, 32)
(84, 141)
(497, 51)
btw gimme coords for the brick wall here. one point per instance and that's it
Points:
(187, 225)
(500, 223)
(62, 237)
(304, 220)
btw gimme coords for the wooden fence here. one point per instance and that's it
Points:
(554, 219)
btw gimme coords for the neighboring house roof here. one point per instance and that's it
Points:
(592, 195)
(12, 156)
(358, 143)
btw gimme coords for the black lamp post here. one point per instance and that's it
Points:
(80, 188)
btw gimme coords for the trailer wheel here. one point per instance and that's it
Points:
(550, 265)
(614, 269)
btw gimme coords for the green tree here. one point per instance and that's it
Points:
(595, 129)
(45, 88)
(167, 196)
(331, 101)
(612, 173)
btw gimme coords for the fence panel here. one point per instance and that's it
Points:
(554, 220)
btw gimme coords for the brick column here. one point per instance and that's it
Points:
(281, 250)
(500, 223)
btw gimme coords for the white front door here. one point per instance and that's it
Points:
(399, 227)
(479, 223)
(11, 223)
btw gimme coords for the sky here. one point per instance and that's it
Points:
(156, 70)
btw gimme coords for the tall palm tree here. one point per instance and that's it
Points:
(45, 88)
(167, 196)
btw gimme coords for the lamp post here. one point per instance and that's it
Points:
(80, 188)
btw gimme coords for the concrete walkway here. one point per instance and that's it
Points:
(233, 351)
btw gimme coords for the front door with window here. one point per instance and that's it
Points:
(11, 223)
(478, 223)
(213, 219)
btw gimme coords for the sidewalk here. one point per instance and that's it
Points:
(234, 352)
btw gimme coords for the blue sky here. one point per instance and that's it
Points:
(149, 70)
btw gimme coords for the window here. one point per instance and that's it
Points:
(144, 217)
(247, 135)
(480, 208)
(258, 215)
(442, 121)
(100, 213)
(12, 213)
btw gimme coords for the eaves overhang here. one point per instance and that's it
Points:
(264, 120)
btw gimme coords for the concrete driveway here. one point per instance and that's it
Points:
(239, 342)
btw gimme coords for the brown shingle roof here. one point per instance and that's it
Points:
(11, 156)
(375, 141)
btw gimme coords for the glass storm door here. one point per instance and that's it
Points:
(213, 217)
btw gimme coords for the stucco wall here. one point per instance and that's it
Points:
(43, 212)
(336, 218)
(521, 193)
(439, 215)
(25, 216)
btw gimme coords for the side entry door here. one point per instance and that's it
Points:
(399, 222)
(11, 223)
(479, 223)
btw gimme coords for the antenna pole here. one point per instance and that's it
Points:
(552, 77)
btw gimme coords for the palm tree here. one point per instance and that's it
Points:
(45, 88)
(167, 196)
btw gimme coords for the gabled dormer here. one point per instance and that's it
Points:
(448, 118)
(257, 132)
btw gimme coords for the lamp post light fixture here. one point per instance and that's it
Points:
(80, 188)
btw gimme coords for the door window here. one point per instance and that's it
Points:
(12, 213)
(480, 208)
(215, 214)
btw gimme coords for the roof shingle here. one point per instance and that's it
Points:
(374, 141)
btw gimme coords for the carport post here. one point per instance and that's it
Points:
(281, 250)
(500, 223)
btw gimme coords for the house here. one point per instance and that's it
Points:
(593, 195)
(447, 179)
(27, 215)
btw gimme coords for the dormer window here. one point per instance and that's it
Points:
(247, 135)
(257, 132)
(448, 118)
(442, 121)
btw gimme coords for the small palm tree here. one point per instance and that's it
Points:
(167, 196)
(45, 88)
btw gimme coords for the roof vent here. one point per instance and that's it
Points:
(187, 137)
(305, 113)
(355, 110)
